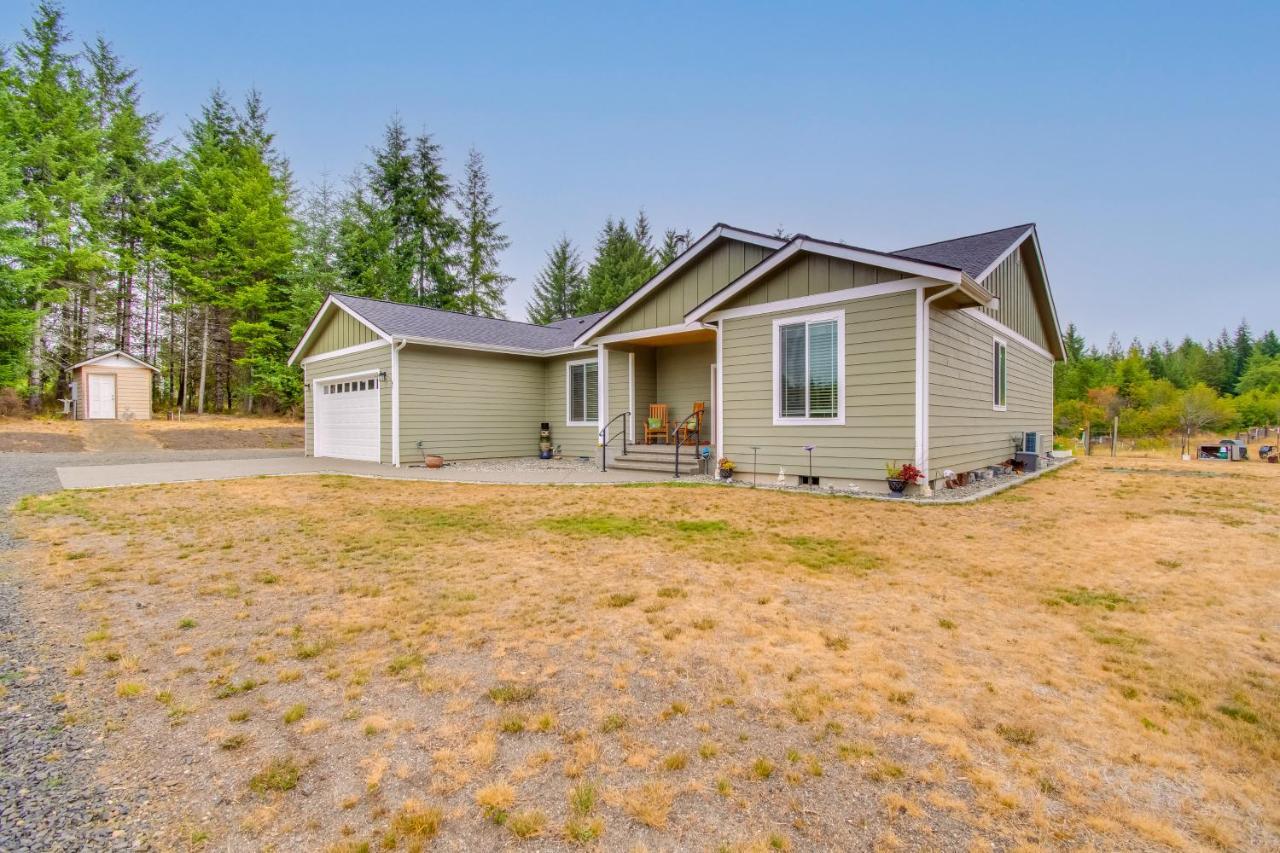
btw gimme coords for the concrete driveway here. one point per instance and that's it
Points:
(528, 471)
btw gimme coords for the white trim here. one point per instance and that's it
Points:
(1004, 345)
(1009, 333)
(631, 394)
(568, 393)
(447, 344)
(113, 353)
(848, 294)
(602, 391)
(395, 405)
(315, 322)
(673, 329)
(922, 382)
(838, 420)
(315, 404)
(1003, 255)
(805, 244)
(719, 401)
(338, 353)
(685, 258)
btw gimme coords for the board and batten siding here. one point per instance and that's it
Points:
(965, 430)
(133, 388)
(619, 390)
(668, 305)
(809, 275)
(464, 404)
(573, 441)
(879, 394)
(1019, 309)
(364, 362)
(340, 331)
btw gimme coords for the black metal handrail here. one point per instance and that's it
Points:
(696, 417)
(604, 439)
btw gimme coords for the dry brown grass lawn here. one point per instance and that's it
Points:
(1092, 660)
(193, 432)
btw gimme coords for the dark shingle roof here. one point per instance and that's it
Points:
(973, 254)
(400, 320)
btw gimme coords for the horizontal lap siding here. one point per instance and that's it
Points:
(469, 405)
(372, 360)
(573, 441)
(669, 303)
(965, 431)
(879, 393)
(810, 275)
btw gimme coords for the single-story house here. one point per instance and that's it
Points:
(941, 355)
(113, 386)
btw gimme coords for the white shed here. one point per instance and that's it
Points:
(114, 386)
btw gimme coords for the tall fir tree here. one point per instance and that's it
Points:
(557, 291)
(482, 286)
(21, 277)
(435, 231)
(624, 260)
(673, 243)
(59, 152)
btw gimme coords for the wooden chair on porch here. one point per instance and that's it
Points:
(658, 424)
(691, 429)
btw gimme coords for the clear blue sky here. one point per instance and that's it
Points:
(1144, 138)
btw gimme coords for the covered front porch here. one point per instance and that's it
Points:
(667, 386)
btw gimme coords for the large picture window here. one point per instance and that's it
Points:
(583, 391)
(999, 373)
(808, 374)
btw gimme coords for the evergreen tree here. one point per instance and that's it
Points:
(482, 283)
(673, 243)
(57, 142)
(21, 278)
(557, 291)
(623, 262)
(436, 233)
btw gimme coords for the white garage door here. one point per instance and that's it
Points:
(347, 418)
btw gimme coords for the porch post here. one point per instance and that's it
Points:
(602, 390)
(718, 414)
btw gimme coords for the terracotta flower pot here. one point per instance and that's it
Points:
(433, 461)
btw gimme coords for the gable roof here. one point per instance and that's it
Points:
(398, 320)
(688, 256)
(115, 352)
(976, 254)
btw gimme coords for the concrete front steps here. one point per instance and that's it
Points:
(656, 458)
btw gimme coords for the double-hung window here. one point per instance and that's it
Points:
(999, 373)
(808, 369)
(582, 388)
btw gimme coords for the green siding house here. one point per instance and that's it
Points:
(941, 355)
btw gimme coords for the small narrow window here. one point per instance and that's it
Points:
(583, 392)
(999, 372)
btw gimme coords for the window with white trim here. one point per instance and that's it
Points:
(999, 374)
(808, 372)
(582, 387)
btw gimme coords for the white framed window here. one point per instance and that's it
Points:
(582, 392)
(999, 374)
(808, 369)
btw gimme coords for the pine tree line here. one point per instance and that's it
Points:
(202, 257)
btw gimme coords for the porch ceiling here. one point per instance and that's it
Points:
(694, 336)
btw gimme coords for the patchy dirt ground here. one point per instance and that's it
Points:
(195, 432)
(1092, 660)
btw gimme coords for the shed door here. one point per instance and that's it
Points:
(347, 418)
(102, 395)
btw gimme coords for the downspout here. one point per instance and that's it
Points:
(395, 401)
(922, 384)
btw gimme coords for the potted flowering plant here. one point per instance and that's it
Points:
(899, 476)
(726, 466)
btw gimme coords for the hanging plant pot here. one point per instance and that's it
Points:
(896, 485)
